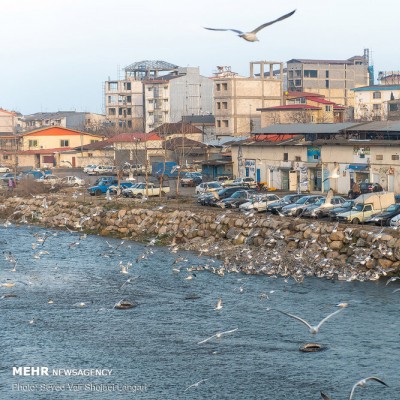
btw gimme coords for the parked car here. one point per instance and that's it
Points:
(136, 169)
(365, 187)
(128, 191)
(115, 189)
(395, 221)
(191, 179)
(297, 208)
(237, 198)
(208, 187)
(246, 181)
(72, 181)
(4, 169)
(346, 206)
(276, 207)
(321, 208)
(104, 169)
(384, 217)
(211, 199)
(89, 168)
(102, 186)
(49, 179)
(259, 202)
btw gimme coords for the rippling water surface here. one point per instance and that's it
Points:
(153, 349)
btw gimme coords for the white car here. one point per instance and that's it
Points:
(4, 169)
(72, 181)
(89, 168)
(207, 187)
(49, 179)
(104, 170)
(259, 202)
(395, 221)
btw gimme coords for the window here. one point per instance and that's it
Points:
(150, 101)
(112, 86)
(5, 157)
(376, 95)
(225, 86)
(316, 157)
(297, 158)
(33, 143)
(218, 87)
(112, 99)
(379, 157)
(127, 85)
(90, 154)
(129, 124)
(310, 73)
(129, 99)
(93, 141)
(290, 74)
(327, 84)
(119, 111)
(225, 105)
(129, 111)
(326, 74)
(285, 156)
(64, 143)
(393, 107)
(395, 156)
(218, 105)
(297, 82)
(376, 107)
(225, 122)
(328, 108)
(111, 111)
(218, 123)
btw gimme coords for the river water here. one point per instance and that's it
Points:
(152, 350)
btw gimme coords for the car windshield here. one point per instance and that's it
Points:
(214, 185)
(320, 202)
(347, 204)
(358, 207)
(239, 193)
(393, 207)
(302, 200)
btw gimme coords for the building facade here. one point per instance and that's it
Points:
(237, 99)
(372, 102)
(156, 92)
(333, 79)
(305, 157)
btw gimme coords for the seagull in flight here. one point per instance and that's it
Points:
(252, 36)
(312, 329)
(217, 335)
(360, 383)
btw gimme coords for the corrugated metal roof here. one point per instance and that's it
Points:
(381, 126)
(302, 129)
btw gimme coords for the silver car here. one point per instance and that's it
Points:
(296, 209)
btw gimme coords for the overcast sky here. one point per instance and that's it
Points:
(56, 54)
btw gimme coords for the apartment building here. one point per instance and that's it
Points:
(333, 79)
(10, 121)
(237, 99)
(157, 92)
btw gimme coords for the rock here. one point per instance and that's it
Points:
(384, 263)
(336, 245)
(338, 235)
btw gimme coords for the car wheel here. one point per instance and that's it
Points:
(355, 221)
(76, 185)
(163, 193)
(298, 213)
(97, 192)
(139, 195)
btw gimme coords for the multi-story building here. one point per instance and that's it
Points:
(10, 121)
(371, 102)
(82, 121)
(238, 98)
(156, 92)
(334, 79)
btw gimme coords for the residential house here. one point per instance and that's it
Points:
(371, 102)
(206, 123)
(9, 121)
(43, 148)
(178, 129)
(302, 107)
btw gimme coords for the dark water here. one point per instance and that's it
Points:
(153, 349)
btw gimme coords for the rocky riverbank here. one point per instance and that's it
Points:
(253, 244)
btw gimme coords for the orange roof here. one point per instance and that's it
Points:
(57, 131)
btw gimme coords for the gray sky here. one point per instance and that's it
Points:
(56, 54)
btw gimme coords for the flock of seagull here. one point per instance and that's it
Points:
(281, 263)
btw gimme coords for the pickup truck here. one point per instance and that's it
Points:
(140, 190)
(104, 184)
(366, 206)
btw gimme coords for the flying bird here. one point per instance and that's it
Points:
(312, 329)
(217, 335)
(195, 384)
(360, 383)
(252, 36)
